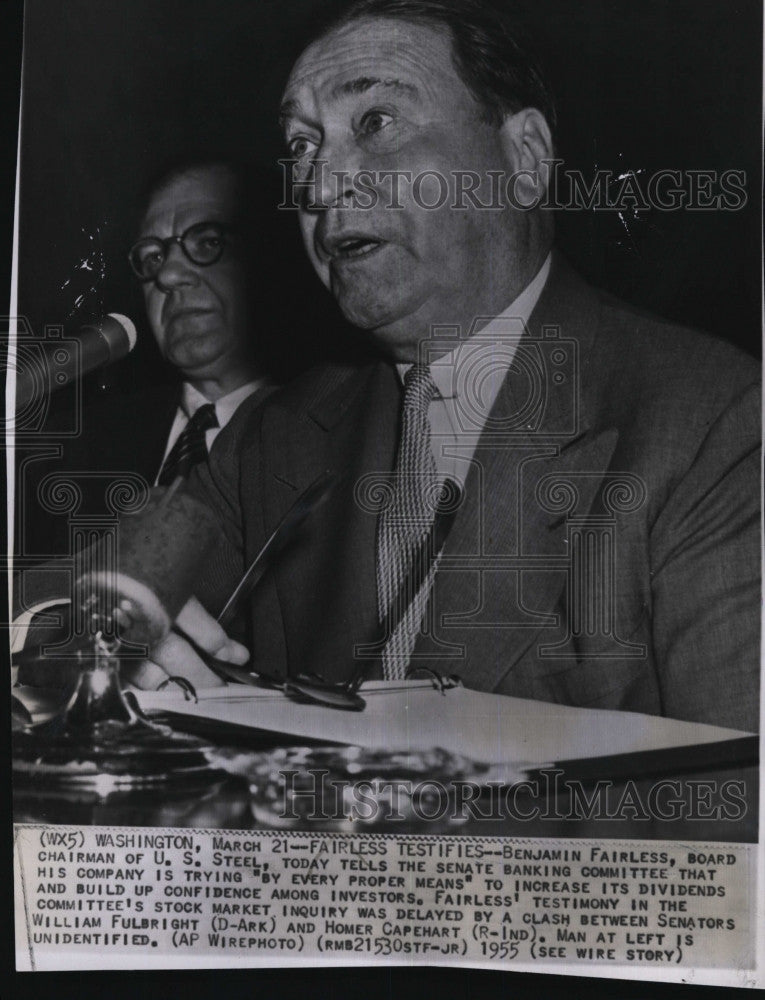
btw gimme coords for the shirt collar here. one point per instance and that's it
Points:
(225, 407)
(508, 325)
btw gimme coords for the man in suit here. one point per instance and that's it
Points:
(191, 262)
(536, 488)
(193, 273)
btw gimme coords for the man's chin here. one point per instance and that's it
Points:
(387, 328)
(394, 340)
(200, 364)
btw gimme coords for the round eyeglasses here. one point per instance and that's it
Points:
(203, 244)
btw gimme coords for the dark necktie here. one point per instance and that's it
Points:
(403, 565)
(190, 448)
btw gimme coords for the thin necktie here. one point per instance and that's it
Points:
(190, 448)
(404, 526)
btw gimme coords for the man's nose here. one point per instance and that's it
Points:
(333, 175)
(176, 271)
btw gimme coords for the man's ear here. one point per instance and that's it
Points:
(527, 143)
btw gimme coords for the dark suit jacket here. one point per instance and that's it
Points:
(122, 430)
(607, 550)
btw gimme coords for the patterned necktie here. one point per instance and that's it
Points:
(403, 562)
(190, 448)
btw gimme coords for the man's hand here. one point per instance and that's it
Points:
(175, 657)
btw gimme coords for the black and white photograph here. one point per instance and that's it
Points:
(383, 452)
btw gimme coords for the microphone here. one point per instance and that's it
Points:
(58, 363)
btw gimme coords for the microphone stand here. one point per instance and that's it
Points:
(100, 739)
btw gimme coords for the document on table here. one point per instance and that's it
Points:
(411, 716)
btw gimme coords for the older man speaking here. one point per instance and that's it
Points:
(537, 488)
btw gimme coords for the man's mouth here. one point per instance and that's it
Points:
(350, 247)
(185, 312)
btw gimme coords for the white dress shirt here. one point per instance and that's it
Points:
(225, 408)
(468, 380)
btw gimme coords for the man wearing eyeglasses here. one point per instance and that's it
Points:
(195, 281)
(190, 263)
(195, 287)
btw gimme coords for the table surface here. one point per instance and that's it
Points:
(618, 797)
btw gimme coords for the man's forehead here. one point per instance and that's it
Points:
(413, 59)
(194, 196)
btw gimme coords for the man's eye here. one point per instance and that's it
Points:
(300, 146)
(374, 121)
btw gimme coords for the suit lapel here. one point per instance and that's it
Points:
(162, 412)
(503, 569)
(346, 425)
(487, 607)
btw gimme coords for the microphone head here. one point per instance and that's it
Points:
(103, 342)
(127, 327)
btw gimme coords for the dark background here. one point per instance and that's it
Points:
(113, 88)
(112, 91)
